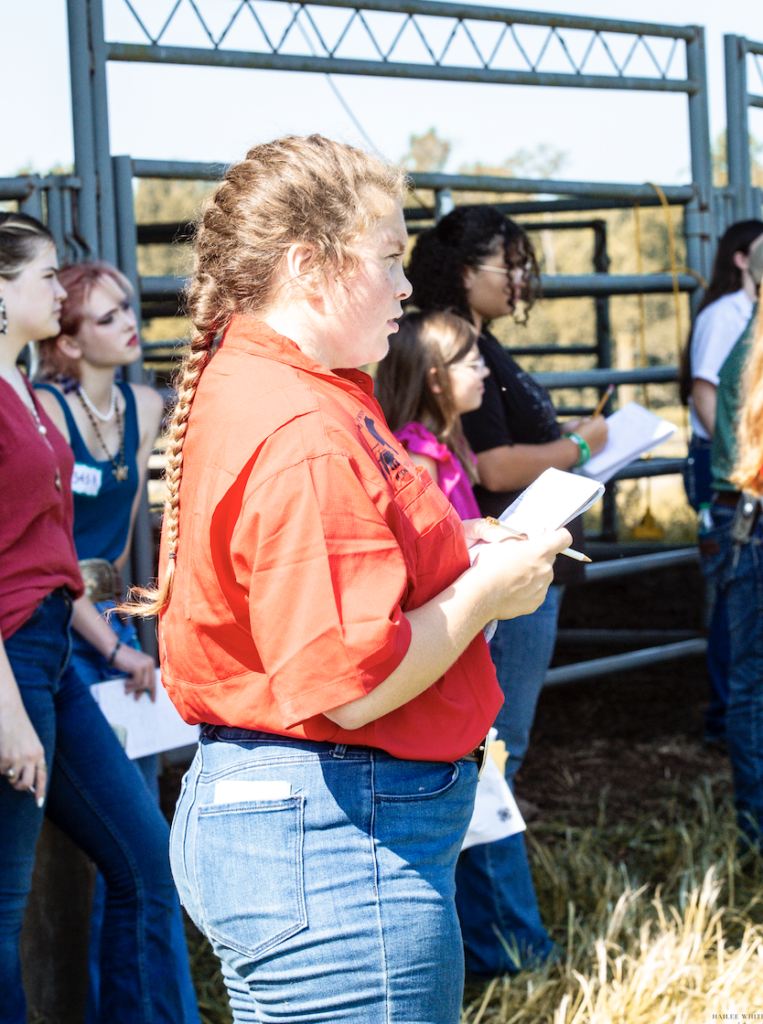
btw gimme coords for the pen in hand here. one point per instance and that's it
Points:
(569, 552)
(604, 398)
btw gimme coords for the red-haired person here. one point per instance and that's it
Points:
(111, 426)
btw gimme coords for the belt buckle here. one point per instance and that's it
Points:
(481, 755)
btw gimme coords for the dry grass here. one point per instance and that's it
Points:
(660, 922)
(664, 925)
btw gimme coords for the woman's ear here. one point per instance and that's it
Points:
(467, 276)
(69, 346)
(741, 260)
(432, 380)
(298, 260)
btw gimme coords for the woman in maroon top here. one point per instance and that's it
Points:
(58, 755)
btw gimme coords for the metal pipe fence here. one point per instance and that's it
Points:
(739, 54)
(479, 44)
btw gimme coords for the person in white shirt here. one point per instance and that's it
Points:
(723, 315)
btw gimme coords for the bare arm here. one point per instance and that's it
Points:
(150, 411)
(506, 580)
(95, 629)
(22, 757)
(427, 463)
(514, 467)
(705, 398)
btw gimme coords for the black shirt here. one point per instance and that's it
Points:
(515, 410)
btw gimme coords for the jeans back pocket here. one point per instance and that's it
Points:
(249, 873)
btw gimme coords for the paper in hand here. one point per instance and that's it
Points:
(552, 501)
(632, 431)
(150, 726)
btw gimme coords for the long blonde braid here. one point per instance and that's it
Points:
(311, 190)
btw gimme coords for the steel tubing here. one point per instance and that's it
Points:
(149, 53)
(623, 662)
(630, 565)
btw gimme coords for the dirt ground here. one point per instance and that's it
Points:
(630, 739)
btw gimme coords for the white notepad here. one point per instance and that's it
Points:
(150, 726)
(632, 431)
(553, 500)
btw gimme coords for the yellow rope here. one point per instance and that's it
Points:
(640, 299)
(673, 266)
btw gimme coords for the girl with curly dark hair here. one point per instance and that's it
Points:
(481, 265)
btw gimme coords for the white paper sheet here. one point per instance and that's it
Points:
(551, 501)
(633, 430)
(495, 814)
(150, 726)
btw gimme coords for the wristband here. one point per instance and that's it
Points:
(110, 659)
(585, 451)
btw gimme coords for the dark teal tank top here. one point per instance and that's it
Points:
(102, 504)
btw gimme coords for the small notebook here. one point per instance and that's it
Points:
(632, 431)
(553, 500)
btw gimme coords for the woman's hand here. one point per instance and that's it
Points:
(594, 433)
(481, 530)
(507, 579)
(134, 663)
(22, 757)
(516, 576)
(141, 669)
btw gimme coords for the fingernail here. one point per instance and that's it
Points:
(40, 802)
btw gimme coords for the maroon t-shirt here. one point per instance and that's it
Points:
(36, 546)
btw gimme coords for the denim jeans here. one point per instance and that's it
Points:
(495, 896)
(737, 572)
(698, 484)
(91, 666)
(334, 900)
(98, 798)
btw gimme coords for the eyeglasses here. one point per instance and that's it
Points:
(473, 364)
(506, 271)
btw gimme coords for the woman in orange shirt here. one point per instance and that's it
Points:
(319, 615)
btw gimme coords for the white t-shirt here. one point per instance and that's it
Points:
(716, 329)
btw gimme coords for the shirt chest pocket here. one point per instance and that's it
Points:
(436, 536)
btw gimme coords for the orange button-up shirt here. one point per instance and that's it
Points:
(306, 533)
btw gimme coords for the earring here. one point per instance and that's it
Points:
(3, 317)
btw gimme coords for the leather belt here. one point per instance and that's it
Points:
(479, 755)
(728, 498)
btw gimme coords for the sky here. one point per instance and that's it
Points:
(216, 114)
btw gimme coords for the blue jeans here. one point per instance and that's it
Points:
(697, 474)
(98, 798)
(737, 572)
(698, 484)
(91, 666)
(495, 896)
(333, 903)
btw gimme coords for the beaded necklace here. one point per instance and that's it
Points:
(103, 417)
(119, 469)
(43, 431)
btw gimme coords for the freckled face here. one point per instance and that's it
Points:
(369, 302)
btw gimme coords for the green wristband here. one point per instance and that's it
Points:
(585, 451)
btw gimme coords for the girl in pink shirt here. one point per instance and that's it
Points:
(432, 374)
